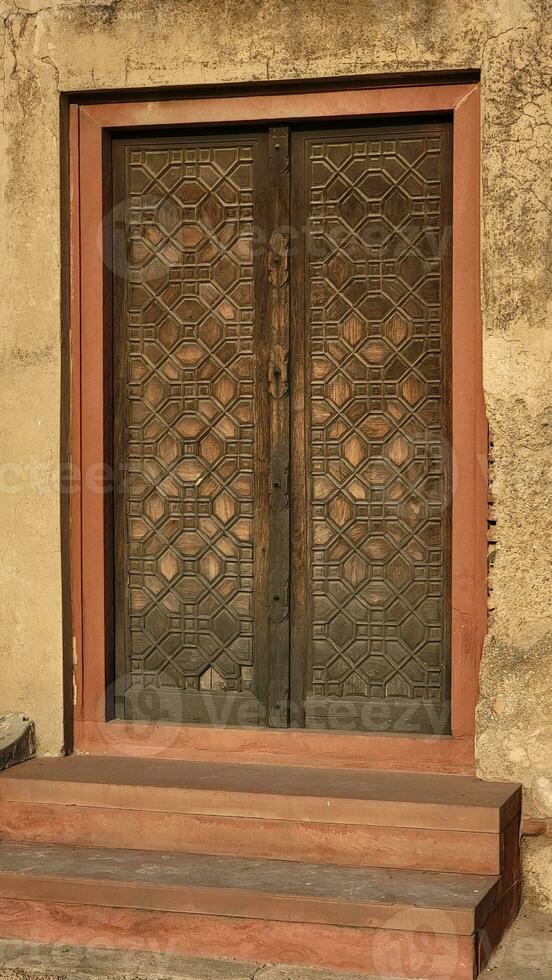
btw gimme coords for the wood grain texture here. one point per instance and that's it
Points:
(280, 462)
(374, 425)
(189, 317)
(376, 355)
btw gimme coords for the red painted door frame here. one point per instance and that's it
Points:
(89, 321)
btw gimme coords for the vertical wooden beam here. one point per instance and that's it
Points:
(75, 466)
(300, 590)
(278, 385)
(92, 301)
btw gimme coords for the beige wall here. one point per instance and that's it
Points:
(57, 45)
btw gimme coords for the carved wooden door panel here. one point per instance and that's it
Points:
(281, 428)
(371, 429)
(191, 429)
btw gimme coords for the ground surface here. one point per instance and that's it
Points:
(526, 954)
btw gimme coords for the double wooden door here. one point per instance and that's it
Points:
(282, 426)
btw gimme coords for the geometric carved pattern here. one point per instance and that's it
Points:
(189, 426)
(378, 418)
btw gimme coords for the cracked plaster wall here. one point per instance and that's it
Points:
(48, 47)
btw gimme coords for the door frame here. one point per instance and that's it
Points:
(90, 122)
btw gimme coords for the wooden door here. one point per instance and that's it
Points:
(371, 428)
(276, 568)
(191, 428)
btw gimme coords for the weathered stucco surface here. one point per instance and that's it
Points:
(58, 45)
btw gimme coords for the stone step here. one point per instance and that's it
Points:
(343, 817)
(374, 921)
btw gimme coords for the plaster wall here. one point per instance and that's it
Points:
(51, 46)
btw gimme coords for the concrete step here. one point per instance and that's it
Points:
(344, 817)
(373, 921)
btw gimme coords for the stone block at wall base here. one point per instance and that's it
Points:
(17, 740)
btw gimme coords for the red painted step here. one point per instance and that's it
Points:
(387, 873)
(381, 921)
(368, 819)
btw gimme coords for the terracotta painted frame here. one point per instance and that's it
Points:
(88, 125)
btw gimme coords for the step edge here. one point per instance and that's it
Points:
(335, 948)
(415, 849)
(508, 787)
(456, 816)
(198, 899)
(88, 808)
